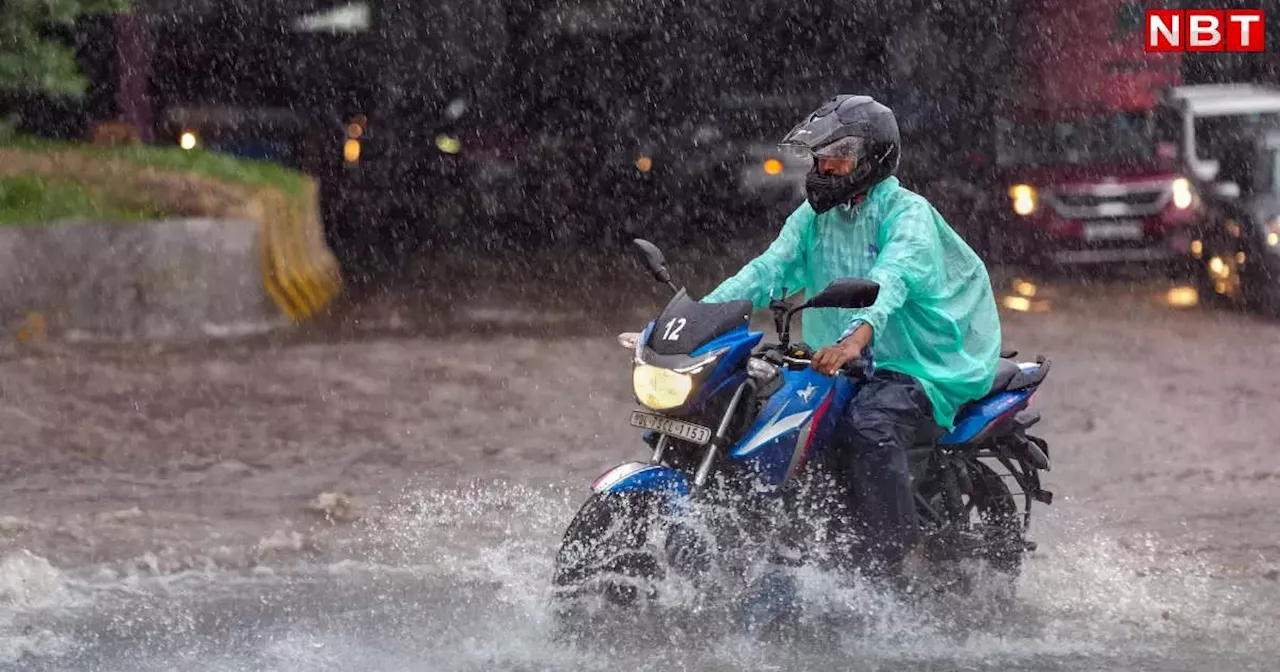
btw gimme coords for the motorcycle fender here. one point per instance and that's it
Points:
(641, 476)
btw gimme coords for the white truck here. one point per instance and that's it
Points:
(1228, 138)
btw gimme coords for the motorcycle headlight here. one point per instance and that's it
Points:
(659, 388)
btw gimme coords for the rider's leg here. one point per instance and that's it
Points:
(877, 428)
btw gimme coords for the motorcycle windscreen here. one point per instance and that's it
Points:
(685, 324)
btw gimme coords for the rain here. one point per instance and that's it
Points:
(321, 328)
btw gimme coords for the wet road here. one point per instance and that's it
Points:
(386, 492)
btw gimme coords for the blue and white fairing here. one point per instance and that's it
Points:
(717, 365)
(799, 418)
(976, 419)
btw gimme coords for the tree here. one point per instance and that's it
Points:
(32, 60)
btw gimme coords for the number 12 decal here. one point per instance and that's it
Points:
(671, 334)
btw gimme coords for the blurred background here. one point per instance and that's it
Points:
(344, 411)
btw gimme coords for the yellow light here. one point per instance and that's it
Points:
(1218, 268)
(1025, 288)
(1220, 287)
(1197, 248)
(187, 141)
(1018, 303)
(1182, 297)
(1024, 198)
(448, 144)
(351, 150)
(1273, 239)
(1182, 196)
(659, 388)
(644, 164)
(773, 167)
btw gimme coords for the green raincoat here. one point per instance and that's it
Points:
(935, 318)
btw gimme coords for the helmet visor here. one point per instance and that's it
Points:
(848, 147)
(815, 131)
(841, 157)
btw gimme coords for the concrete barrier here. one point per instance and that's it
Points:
(238, 256)
(167, 279)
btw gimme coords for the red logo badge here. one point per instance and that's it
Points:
(1205, 30)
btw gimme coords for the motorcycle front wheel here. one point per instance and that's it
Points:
(606, 549)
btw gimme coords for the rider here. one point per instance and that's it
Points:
(934, 326)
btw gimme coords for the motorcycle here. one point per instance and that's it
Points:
(740, 471)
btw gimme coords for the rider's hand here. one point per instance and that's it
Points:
(828, 360)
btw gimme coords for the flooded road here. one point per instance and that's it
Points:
(386, 492)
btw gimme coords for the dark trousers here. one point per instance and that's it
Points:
(876, 429)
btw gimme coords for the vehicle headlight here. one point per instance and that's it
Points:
(1182, 196)
(1024, 198)
(448, 144)
(1273, 235)
(660, 388)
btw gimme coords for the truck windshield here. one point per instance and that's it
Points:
(1113, 139)
(1213, 134)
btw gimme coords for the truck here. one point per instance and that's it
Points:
(1083, 177)
(1228, 139)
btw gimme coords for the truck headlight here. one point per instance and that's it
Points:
(1182, 196)
(658, 388)
(351, 150)
(1024, 198)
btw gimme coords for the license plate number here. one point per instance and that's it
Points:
(677, 428)
(1113, 231)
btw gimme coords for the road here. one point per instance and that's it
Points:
(385, 491)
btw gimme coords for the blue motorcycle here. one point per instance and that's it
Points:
(738, 470)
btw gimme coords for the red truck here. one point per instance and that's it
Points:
(1084, 179)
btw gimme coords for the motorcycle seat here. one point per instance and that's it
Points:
(1005, 371)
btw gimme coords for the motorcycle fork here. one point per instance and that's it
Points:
(718, 441)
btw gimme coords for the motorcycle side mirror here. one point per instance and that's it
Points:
(654, 261)
(846, 293)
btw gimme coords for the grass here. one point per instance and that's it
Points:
(201, 162)
(27, 198)
(34, 200)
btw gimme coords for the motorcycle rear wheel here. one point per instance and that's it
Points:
(981, 544)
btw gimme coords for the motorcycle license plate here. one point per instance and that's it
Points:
(677, 428)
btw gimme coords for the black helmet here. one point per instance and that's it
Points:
(847, 126)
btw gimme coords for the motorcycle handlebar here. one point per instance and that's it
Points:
(853, 369)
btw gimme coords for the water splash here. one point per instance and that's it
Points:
(456, 578)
